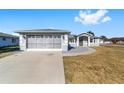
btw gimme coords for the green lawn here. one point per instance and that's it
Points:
(5, 51)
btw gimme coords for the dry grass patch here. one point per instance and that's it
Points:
(106, 65)
(5, 54)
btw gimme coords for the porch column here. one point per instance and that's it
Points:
(98, 41)
(88, 40)
(77, 41)
(74, 40)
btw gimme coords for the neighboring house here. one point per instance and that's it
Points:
(44, 39)
(8, 40)
(117, 40)
(101, 41)
(54, 39)
(106, 42)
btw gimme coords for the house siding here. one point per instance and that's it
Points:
(95, 43)
(8, 41)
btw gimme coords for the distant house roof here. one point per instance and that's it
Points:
(43, 31)
(72, 36)
(95, 37)
(117, 38)
(7, 35)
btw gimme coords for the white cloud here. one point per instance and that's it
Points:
(106, 19)
(88, 18)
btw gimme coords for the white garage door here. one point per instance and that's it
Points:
(44, 41)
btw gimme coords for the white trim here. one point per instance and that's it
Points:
(44, 49)
(88, 40)
(77, 41)
(84, 34)
(62, 40)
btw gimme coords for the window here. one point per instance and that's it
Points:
(57, 36)
(4, 39)
(31, 36)
(48, 36)
(72, 40)
(63, 37)
(39, 36)
(13, 40)
(91, 40)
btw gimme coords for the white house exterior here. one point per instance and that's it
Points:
(84, 39)
(54, 39)
(43, 39)
(8, 40)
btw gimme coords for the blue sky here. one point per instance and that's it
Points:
(102, 22)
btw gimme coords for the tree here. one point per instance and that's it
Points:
(103, 37)
(90, 32)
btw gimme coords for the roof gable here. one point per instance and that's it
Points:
(85, 34)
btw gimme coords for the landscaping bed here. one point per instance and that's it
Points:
(5, 51)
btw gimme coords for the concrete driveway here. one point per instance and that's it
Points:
(32, 67)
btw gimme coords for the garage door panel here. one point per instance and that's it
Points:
(31, 39)
(31, 45)
(49, 40)
(49, 45)
(57, 45)
(39, 39)
(44, 41)
(56, 40)
(41, 45)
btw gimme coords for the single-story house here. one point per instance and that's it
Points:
(54, 39)
(43, 39)
(101, 40)
(117, 40)
(8, 39)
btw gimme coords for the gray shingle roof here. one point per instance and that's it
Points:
(43, 31)
(7, 35)
(95, 37)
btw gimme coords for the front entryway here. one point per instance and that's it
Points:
(83, 41)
